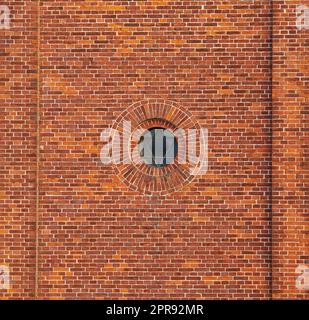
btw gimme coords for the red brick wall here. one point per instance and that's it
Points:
(290, 140)
(18, 96)
(97, 239)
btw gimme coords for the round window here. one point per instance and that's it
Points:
(158, 147)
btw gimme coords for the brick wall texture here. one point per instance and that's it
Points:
(71, 229)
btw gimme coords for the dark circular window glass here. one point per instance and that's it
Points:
(158, 147)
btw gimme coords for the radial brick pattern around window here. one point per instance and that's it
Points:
(149, 114)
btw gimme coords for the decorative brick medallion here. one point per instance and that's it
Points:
(144, 115)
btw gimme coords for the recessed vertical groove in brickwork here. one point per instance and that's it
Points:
(271, 149)
(36, 292)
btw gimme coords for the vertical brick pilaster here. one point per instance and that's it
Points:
(18, 96)
(290, 179)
